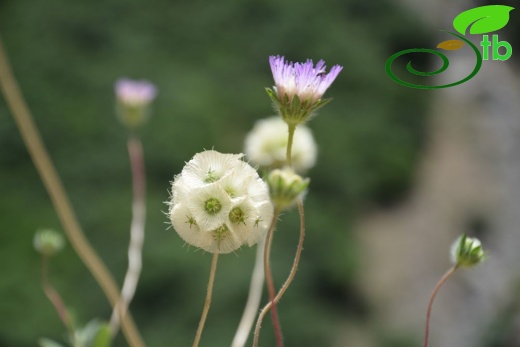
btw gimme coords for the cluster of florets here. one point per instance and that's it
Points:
(299, 87)
(219, 203)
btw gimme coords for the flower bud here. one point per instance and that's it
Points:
(133, 100)
(285, 187)
(48, 242)
(467, 252)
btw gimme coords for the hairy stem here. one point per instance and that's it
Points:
(207, 302)
(54, 187)
(253, 299)
(292, 274)
(430, 304)
(135, 152)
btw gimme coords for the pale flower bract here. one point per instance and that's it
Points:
(219, 203)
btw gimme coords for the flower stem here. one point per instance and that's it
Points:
(55, 298)
(54, 187)
(270, 283)
(253, 299)
(207, 303)
(135, 152)
(434, 294)
(292, 274)
(292, 128)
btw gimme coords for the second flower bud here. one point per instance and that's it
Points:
(285, 187)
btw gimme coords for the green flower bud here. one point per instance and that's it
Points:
(285, 187)
(467, 252)
(48, 242)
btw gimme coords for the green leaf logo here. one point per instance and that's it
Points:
(483, 19)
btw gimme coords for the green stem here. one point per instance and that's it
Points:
(292, 128)
(54, 187)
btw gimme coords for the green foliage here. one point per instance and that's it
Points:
(210, 63)
(44, 342)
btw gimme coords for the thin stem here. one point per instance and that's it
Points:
(253, 299)
(270, 283)
(292, 128)
(54, 187)
(434, 294)
(207, 303)
(55, 298)
(135, 152)
(292, 274)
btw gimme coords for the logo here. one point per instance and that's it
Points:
(480, 21)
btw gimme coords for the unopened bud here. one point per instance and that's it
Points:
(467, 252)
(48, 242)
(285, 187)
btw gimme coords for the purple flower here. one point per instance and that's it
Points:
(304, 80)
(135, 93)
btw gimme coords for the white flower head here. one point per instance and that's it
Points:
(266, 145)
(219, 203)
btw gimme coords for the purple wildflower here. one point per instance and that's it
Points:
(305, 80)
(135, 93)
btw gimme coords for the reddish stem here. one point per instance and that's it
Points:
(270, 284)
(55, 298)
(430, 304)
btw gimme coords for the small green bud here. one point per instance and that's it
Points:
(48, 242)
(285, 187)
(467, 252)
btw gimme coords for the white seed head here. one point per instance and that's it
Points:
(219, 203)
(266, 145)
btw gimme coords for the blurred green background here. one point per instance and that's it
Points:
(209, 61)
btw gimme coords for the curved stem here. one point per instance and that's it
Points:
(135, 152)
(54, 187)
(292, 128)
(434, 294)
(292, 274)
(55, 298)
(207, 303)
(253, 299)
(270, 283)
